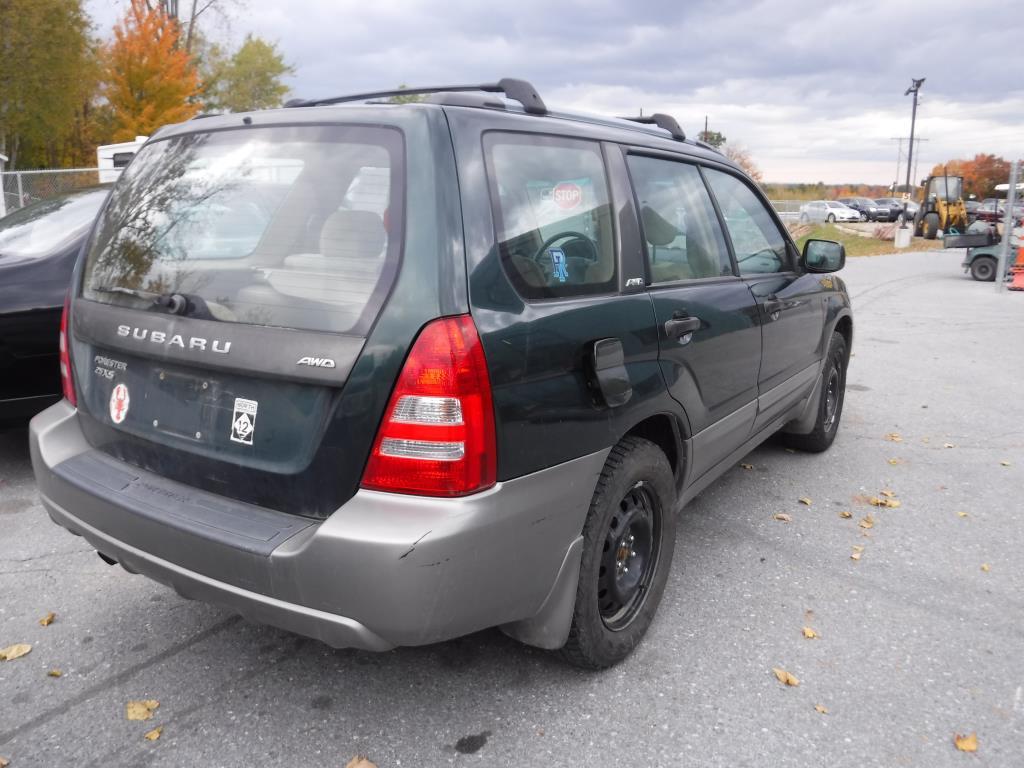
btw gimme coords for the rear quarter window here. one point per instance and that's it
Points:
(552, 214)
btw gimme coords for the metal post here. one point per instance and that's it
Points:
(914, 88)
(3, 198)
(1008, 220)
(21, 193)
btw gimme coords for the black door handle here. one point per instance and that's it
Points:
(680, 326)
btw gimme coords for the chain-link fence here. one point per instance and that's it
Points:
(21, 188)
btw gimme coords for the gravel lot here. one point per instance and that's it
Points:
(917, 641)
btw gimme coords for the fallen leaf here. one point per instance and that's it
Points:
(888, 494)
(360, 762)
(154, 734)
(782, 517)
(805, 501)
(4, 762)
(140, 710)
(47, 620)
(810, 634)
(12, 652)
(968, 743)
(858, 548)
(961, 514)
(1004, 463)
(894, 437)
(986, 567)
(855, 556)
(55, 673)
(890, 503)
(867, 522)
(747, 466)
(820, 709)
(948, 445)
(846, 514)
(785, 677)
(895, 461)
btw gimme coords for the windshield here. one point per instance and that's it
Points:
(946, 187)
(40, 229)
(285, 226)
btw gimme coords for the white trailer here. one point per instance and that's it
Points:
(111, 158)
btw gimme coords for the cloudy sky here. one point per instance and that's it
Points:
(814, 90)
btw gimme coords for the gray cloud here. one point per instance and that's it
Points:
(813, 89)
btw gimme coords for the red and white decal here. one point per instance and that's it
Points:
(567, 195)
(119, 401)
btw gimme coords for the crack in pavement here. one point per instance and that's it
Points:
(115, 680)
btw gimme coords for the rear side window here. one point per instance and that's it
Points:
(296, 227)
(552, 214)
(759, 245)
(681, 231)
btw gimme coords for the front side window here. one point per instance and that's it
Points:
(759, 245)
(680, 229)
(296, 227)
(552, 214)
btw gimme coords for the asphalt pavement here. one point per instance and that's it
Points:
(918, 640)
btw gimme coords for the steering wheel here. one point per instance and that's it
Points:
(766, 252)
(594, 256)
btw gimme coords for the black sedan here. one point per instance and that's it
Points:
(38, 247)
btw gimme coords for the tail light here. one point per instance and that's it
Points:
(437, 436)
(67, 380)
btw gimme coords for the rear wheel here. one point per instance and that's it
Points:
(830, 405)
(983, 269)
(931, 226)
(831, 218)
(804, 219)
(628, 542)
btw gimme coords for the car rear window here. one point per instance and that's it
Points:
(552, 214)
(296, 227)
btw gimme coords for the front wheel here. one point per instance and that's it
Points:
(931, 226)
(628, 542)
(983, 269)
(830, 404)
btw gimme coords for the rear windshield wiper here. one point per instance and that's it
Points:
(184, 304)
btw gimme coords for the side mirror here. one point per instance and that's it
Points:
(823, 256)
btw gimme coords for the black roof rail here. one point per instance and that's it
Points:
(517, 90)
(662, 121)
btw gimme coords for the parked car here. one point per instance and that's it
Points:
(896, 205)
(472, 360)
(829, 211)
(994, 211)
(868, 209)
(38, 246)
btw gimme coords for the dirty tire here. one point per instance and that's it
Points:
(983, 269)
(830, 405)
(600, 636)
(931, 226)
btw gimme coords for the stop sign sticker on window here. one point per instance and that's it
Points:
(567, 195)
(119, 401)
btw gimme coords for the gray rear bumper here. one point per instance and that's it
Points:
(383, 570)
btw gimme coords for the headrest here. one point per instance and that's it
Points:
(352, 234)
(657, 230)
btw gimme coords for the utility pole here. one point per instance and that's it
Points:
(899, 159)
(915, 86)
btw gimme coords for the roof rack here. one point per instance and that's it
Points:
(662, 121)
(517, 90)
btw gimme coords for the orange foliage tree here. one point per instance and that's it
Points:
(150, 79)
(980, 174)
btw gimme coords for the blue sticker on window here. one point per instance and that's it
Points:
(560, 268)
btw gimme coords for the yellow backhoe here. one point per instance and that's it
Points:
(942, 207)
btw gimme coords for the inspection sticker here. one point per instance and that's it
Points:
(119, 401)
(243, 422)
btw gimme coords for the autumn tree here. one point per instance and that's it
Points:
(739, 155)
(46, 76)
(150, 79)
(980, 174)
(250, 79)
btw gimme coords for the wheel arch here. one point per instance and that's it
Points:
(668, 433)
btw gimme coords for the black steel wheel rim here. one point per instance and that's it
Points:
(629, 559)
(833, 390)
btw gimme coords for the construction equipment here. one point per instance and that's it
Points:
(942, 207)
